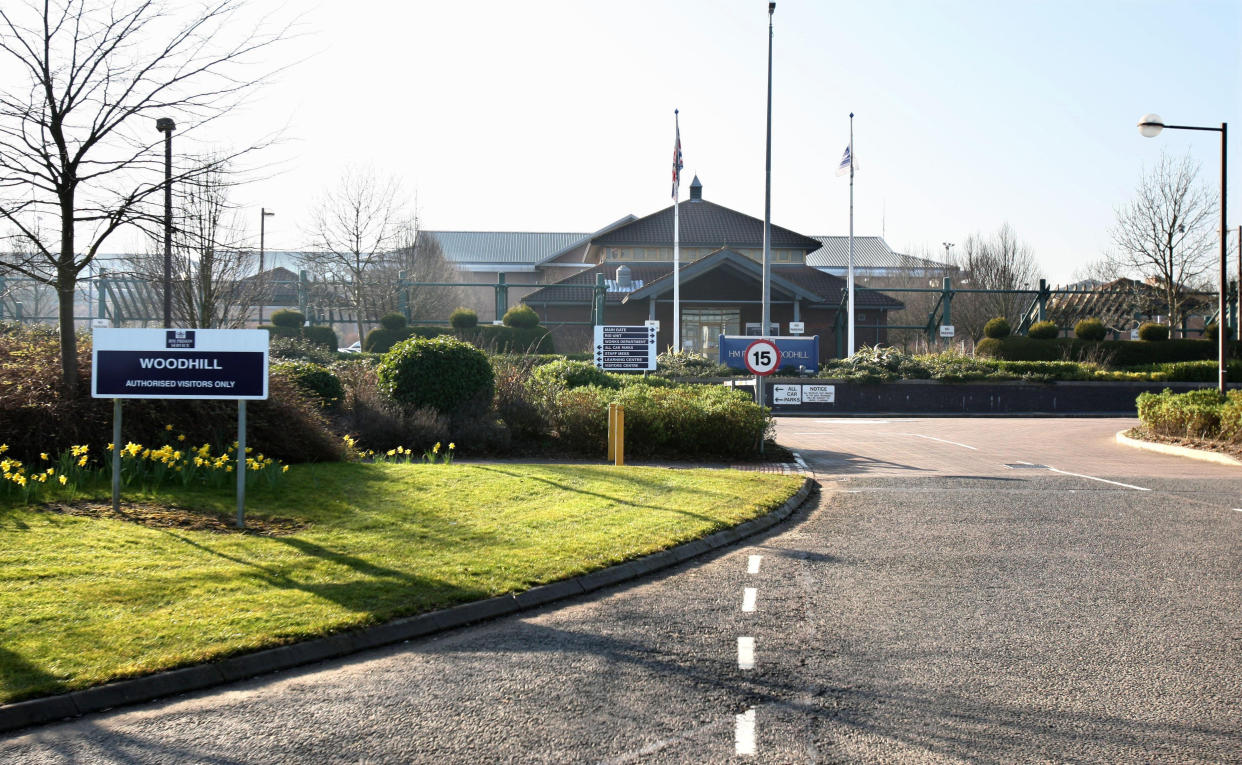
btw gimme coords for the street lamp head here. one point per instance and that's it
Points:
(165, 125)
(266, 212)
(771, 8)
(1150, 125)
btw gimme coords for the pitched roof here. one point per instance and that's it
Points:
(703, 224)
(811, 284)
(870, 252)
(503, 247)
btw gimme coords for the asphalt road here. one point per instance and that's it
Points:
(949, 596)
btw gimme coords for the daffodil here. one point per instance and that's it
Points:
(64, 479)
(4, 448)
(43, 455)
(168, 427)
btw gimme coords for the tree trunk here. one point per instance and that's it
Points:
(66, 282)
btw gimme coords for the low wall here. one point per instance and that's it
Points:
(928, 397)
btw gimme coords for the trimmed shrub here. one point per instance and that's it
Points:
(1091, 330)
(289, 319)
(521, 316)
(1043, 330)
(443, 373)
(315, 380)
(572, 374)
(324, 336)
(1194, 414)
(464, 318)
(299, 349)
(1212, 332)
(1153, 333)
(393, 320)
(996, 328)
(381, 340)
(690, 364)
(1120, 353)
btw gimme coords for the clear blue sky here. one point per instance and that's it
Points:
(558, 116)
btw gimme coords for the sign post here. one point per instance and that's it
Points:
(625, 349)
(185, 364)
(762, 358)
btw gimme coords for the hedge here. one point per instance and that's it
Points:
(1117, 353)
(1194, 414)
(495, 339)
(324, 336)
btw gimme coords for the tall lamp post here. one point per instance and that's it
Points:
(1150, 126)
(766, 314)
(166, 126)
(264, 214)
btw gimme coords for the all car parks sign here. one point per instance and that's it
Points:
(180, 363)
(625, 349)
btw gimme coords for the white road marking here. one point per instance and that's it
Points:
(1101, 480)
(752, 564)
(1237, 509)
(744, 734)
(748, 598)
(801, 463)
(746, 653)
(943, 441)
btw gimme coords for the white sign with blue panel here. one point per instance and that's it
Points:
(179, 363)
(795, 352)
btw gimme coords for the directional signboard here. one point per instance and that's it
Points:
(625, 349)
(179, 363)
(762, 357)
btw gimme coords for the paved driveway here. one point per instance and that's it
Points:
(933, 605)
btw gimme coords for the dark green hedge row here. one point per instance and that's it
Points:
(489, 337)
(324, 336)
(1115, 353)
(1194, 414)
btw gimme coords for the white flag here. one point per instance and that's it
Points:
(847, 162)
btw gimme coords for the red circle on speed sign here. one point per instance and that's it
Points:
(762, 357)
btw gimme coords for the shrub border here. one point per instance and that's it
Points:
(23, 714)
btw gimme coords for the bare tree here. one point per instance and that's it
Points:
(1165, 234)
(79, 156)
(357, 227)
(998, 262)
(210, 262)
(421, 259)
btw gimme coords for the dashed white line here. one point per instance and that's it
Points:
(744, 734)
(752, 564)
(746, 653)
(943, 441)
(748, 598)
(1101, 480)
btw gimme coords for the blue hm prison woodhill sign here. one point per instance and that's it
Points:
(180, 363)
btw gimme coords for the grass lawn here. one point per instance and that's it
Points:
(87, 600)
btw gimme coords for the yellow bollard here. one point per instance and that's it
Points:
(620, 437)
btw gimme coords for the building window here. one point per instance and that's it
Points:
(701, 327)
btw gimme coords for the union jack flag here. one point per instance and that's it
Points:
(677, 164)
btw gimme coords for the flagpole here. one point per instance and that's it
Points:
(677, 345)
(850, 335)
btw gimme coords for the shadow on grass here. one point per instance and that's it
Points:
(19, 679)
(382, 592)
(618, 500)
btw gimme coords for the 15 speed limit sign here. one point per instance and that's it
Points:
(763, 357)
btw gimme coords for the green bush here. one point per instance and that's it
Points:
(997, 328)
(1120, 353)
(289, 319)
(1194, 414)
(521, 316)
(299, 349)
(1153, 333)
(324, 336)
(663, 420)
(443, 373)
(1211, 332)
(464, 318)
(1043, 330)
(313, 379)
(571, 374)
(690, 364)
(1091, 330)
(393, 320)
(875, 364)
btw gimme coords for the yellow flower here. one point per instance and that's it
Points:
(285, 469)
(436, 449)
(111, 447)
(228, 468)
(391, 452)
(181, 437)
(4, 448)
(43, 455)
(452, 446)
(64, 480)
(82, 461)
(168, 427)
(51, 471)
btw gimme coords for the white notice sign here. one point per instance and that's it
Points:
(786, 394)
(819, 394)
(947, 330)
